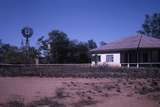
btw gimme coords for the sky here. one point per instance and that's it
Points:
(100, 20)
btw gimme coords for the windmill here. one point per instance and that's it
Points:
(27, 32)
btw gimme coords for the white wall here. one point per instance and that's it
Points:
(116, 59)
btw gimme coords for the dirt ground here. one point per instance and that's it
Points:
(82, 92)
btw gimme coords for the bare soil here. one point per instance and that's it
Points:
(81, 92)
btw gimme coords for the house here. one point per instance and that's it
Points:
(134, 51)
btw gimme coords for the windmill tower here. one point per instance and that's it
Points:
(27, 32)
(22, 44)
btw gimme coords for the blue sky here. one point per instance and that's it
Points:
(106, 20)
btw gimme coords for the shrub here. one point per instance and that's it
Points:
(71, 70)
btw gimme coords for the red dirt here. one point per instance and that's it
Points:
(105, 92)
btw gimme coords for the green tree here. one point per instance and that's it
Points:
(151, 26)
(43, 50)
(91, 44)
(8, 53)
(83, 53)
(43, 46)
(59, 43)
(102, 43)
(60, 49)
(72, 55)
(14, 55)
(30, 55)
(1, 51)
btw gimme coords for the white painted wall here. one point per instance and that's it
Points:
(116, 59)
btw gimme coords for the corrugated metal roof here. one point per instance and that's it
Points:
(132, 42)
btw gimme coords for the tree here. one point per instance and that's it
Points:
(43, 50)
(102, 43)
(92, 44)
(83, 53)
(9, 54)
(43, 46)
(33, 53)
(59, 43)
(60, 49)
(14, 55)
(1, 51)
(72, 55)
(151, 26)
(0, 42)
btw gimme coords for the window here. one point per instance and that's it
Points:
(93, 58)
(109, 58)
(98, 58)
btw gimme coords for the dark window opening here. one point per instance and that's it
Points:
(109, 58)
(93, 58)
(96, 58)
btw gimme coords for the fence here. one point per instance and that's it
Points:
(137, 65)
(45, 67)
(75, 70)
